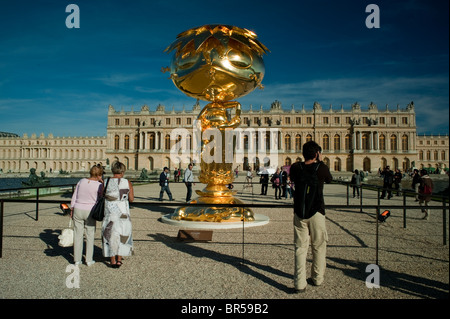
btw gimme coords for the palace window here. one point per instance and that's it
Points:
(382, 143)
(337, 120)
(393, 142)
(188, 121)
(421, 155)
(127, 142)
(393, 120)
(337, 142)
(151, 140)
(167, 120)
(167, 142)
(298, 120)
(404, 120)
(116, 142)
(178, 120)
(382, 120)
(405, 142)
(326, 142)
(116, 121)
(287, 142)
(308, 138)
(127, 121)
(136, 142)
(287, 120)
(348, 142)
(298, 142)
(309, 120)
(325, 120)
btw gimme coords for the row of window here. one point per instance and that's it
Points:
(266, 120)
(298, 142)
(435, 155)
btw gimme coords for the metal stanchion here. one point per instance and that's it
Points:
(1, 229)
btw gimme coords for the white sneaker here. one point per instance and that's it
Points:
(90, 263)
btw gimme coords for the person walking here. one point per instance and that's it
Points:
(83, 199)
(264, 180)
(388, 179)
(425, 191)
(164, 183)
(116, 228)
(312, 227)
(188, 181)
(276, 183)
(397, 181)
(356, 183)
(416, 183)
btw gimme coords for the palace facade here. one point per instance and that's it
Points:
(360, 138)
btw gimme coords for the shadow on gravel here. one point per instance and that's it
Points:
(245, 266)
(411, 285)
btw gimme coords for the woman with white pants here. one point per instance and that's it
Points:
(83, 199)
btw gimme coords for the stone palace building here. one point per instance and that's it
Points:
(366, 138)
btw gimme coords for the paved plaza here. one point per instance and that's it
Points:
(240, 263)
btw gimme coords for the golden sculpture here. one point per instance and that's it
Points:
(216, 63)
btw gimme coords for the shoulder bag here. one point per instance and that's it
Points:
(98, 210)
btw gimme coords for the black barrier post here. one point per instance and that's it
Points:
(404, 210)
(37, 204)
(243, 245)
(376, 239)
(444, 222)
(360, 198)
(1, 229)
(348, 186)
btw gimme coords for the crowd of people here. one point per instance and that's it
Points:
(302, 181)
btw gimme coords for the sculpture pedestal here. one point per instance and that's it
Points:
(259, 220)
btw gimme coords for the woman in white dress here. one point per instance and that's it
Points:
(116, 228)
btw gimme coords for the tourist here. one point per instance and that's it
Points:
(188, 181)
(276, 183)
(289, 186)
(416, 183)
(397, 181)
(264, 181)
(356, 183)
(312, 228)
(164, 183)
(116, 229)
(388, 179)
(249, 178)
(83, 199)
(283, 179)
(425, 190)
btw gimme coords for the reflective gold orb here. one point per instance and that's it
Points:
(217, 62)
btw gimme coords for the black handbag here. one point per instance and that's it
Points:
(98, 210)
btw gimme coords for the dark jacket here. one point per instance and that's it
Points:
(323, 175)
(163, 179)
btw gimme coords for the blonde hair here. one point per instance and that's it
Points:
(118, 168)
(96, 170)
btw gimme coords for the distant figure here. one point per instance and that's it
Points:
(416, 183)
(188, 181)
(425, 191)
(356, 183)
(264, 180)
(388, 179)
(164, 183)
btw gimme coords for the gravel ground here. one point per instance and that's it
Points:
(252, 263)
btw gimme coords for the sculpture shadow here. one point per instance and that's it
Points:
(246, 266)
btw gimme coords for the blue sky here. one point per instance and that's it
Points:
(59, 80)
